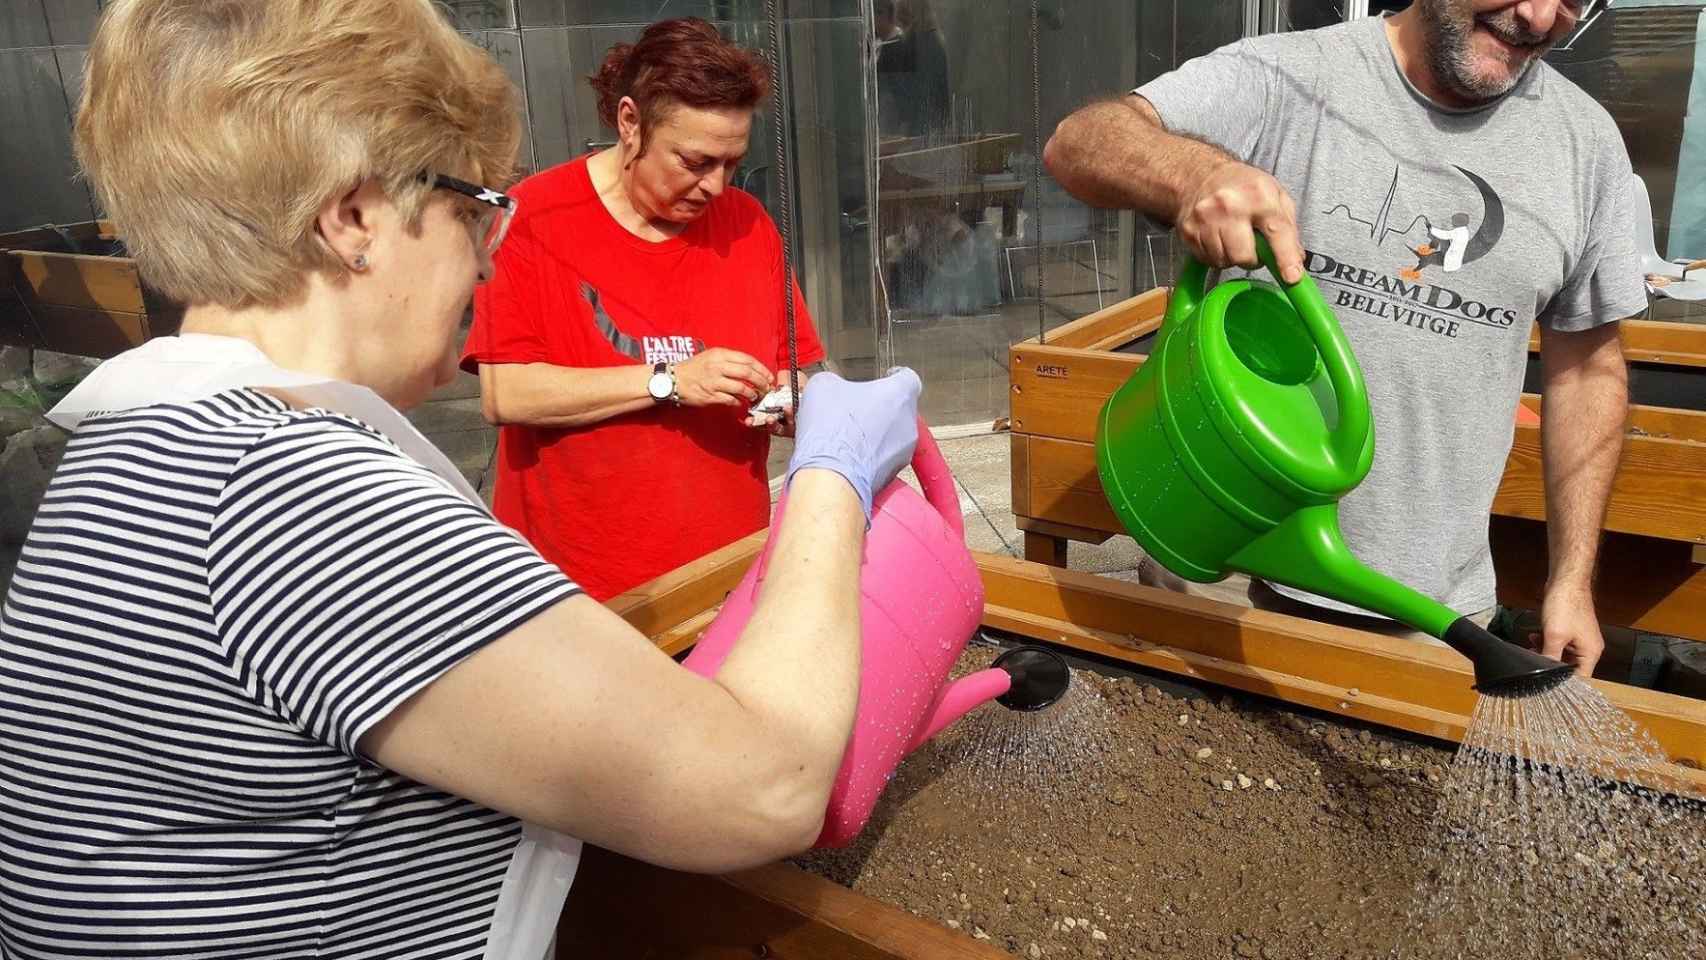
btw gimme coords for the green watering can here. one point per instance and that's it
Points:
(1229, 449)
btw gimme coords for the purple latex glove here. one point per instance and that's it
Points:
(865, 432)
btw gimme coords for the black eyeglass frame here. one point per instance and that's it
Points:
(505, 204)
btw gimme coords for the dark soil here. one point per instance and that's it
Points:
(1218, 827)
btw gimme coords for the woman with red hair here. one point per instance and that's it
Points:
(636, 315)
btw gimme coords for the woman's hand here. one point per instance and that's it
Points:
(780, 423)
(863, 431)
(722, 376)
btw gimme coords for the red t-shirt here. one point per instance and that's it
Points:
(624, 500)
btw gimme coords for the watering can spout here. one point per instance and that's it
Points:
(1025, 678)
(1307, 551)
(957, 699)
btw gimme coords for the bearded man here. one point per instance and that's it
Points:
(1446, 189)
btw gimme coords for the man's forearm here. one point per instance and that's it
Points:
(1117, 154)
(546, 395)
(1582, 428)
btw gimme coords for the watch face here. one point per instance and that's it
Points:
(659, 385)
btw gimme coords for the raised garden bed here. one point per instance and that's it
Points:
(1131, 810)
(73, 289)
(1656, 516)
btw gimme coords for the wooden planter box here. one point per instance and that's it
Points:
(72, 290)
(622, 908)
(1651, 574)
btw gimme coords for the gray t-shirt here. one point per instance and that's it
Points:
(1439, 237)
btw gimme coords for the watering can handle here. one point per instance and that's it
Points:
(937, 481)
(1343, 372)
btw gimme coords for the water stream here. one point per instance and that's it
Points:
(1559, 835)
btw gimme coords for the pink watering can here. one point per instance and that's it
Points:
(922, 601)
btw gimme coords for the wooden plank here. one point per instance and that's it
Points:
(1649, 584)
(1659, 490)
(1669, 423)
(1019, 468)
(1112, 325)
(621, 908)
(1654, 341)
(38, 237)
(883, 927)
(1064, 487)
(1052, 529)
(683, 635)
(1058, 391)
(1044, 548)
(689, 590)
(90, 333)
(1120, 338)
(1433, 681)
(78, 280)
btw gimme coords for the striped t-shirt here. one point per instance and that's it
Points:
(216, 600)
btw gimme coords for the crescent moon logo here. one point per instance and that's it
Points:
(1492, 219)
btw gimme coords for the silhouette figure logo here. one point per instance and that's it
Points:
(1449, 241)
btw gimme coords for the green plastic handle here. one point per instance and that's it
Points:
(1188, 293)
(1343, 372)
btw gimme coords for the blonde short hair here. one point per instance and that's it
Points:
(213, 131)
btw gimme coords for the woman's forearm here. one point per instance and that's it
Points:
(547, 395)
(796, 665)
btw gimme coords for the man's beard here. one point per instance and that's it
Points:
(1450, 31)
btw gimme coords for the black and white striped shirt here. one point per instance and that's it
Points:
(216, 600)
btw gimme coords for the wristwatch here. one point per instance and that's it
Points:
(662, 384)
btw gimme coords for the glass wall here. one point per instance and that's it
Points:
(924, 229)
(977, 246)
(42, 43)
(1645, 62)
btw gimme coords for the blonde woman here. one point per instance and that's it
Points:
(272, 682)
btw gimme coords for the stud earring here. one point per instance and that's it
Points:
(360, 263)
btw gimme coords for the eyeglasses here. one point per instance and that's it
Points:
(492, 223)
(1587, 11)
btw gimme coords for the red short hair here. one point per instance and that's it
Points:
(680, 61)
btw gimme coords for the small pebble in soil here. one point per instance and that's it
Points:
(1205, 753)
(1244, 782)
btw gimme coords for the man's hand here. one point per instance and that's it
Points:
(721, 376)
(1220, 215)
(1570, 630)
